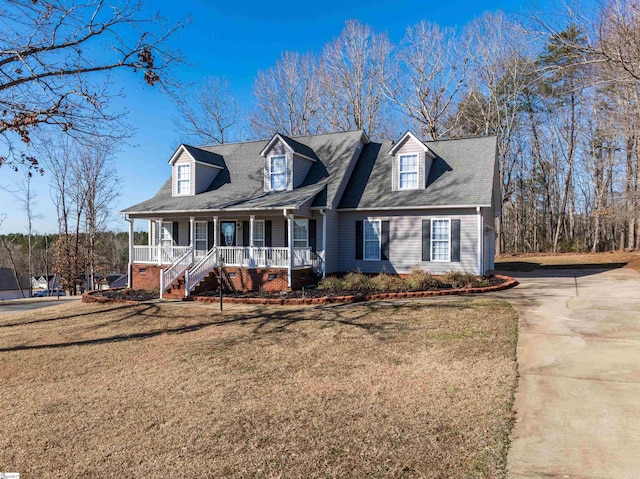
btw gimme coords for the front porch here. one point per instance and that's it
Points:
(263, 252)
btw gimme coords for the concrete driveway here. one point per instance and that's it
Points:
(578, 399)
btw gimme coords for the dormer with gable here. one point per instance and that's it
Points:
(286, 163)
(193, 170)
(412, 161)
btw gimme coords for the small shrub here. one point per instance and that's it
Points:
(387, 283)
(356, 281)
(331, 284)
(421, 280)
(459, 279)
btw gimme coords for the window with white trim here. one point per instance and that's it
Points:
(258, 233)
(300, 233)
(440, 240)
(166, 234)
(372, 239)
(408, 172)
(201, 239)
(278, 172)
(184, 180)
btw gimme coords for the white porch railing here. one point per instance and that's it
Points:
(198, 271)
(158, 254)
(271, 257)
(234, 255)
(169, 274)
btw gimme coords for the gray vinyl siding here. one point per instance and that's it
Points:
(405, 242)
(410, 147)
(204, 176)
(183, 159)
(301, 167)
(347, 175)
(488, 218)
(334, 244)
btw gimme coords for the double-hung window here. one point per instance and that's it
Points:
(440, 240)
(184, 180)
(408, 174)
(300, 233)
(201, 239)
(258, 233)
(372, 236)
(278, 172)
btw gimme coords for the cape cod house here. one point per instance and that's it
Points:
(278, 213)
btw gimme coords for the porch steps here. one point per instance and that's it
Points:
(209, 283)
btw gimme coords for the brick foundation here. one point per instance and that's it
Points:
(150, 279)
(267, 279)
(243, 279)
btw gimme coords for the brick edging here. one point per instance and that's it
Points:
(92, 297)
(509, 283)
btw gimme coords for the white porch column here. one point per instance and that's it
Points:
(324, 243)
(252, 263)
(150, 235)
(192, 236)
(131, 253)
(290, 236)
(159, 239)
(215, 231)
(480, 241)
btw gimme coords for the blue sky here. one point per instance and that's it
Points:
(234, 40)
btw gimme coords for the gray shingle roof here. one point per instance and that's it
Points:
(241, 184)
(204, 156)
(461, 175)
(298, 147)
(8, 280)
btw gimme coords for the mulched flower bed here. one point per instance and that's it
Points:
(321, 293)
(120, 295)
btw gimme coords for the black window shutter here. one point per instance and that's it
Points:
(209, 234)
(426, 240)
(455, 241)
(189, 234)
(175, 233)
(267, 233)
(359, 240)
(312, 235)
(245, 234)
(286, 233)
(384, 246)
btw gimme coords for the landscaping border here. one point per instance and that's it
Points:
(509, 282)
(93, 297)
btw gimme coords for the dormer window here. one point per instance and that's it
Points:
(184, 180)
(408, 175)
(278, 172)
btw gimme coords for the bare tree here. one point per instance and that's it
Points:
(287, 97)
(353, 71)
(210, 113)
(55, 59)
(433, 72)
(27, 200)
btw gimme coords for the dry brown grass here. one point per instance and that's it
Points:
(419, 389)
(524, 262)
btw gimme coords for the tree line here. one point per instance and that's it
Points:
(560, 92)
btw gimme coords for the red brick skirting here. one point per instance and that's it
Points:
(94, 297)
(509, 282)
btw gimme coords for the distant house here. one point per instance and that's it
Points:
(278, 213)
(9, 287)
(50, 282)
(112, 280)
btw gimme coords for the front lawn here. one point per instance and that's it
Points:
(420, 389)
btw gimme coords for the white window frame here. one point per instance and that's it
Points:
(258, 242)
(306, 239)
(272, 174)
(365, 240)
(416, 171)
(166, 239)
(185, 182)
(448, 240)
(197, 240)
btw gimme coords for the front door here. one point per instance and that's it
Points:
(227, 233)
